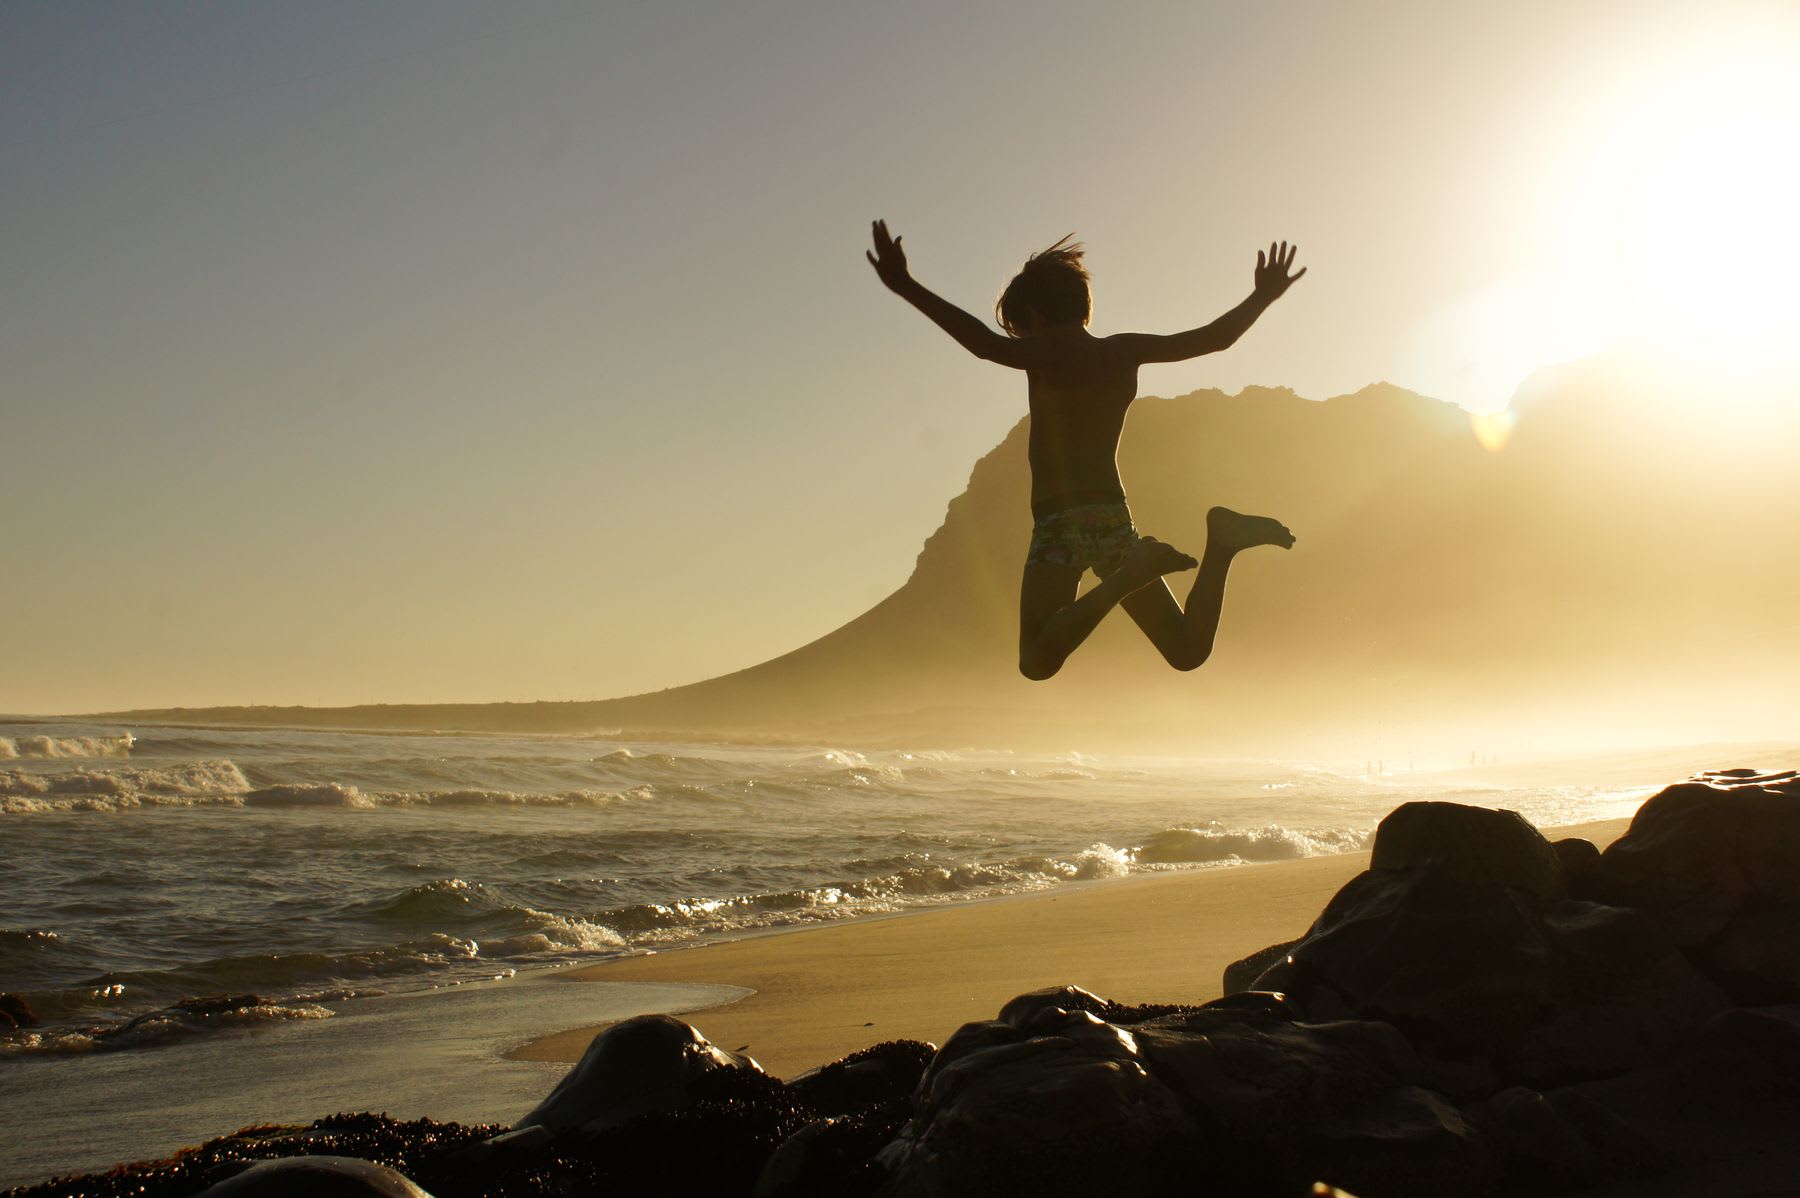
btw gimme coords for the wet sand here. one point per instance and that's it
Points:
(823, 992)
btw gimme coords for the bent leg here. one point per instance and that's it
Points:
(1053, 622)
(1184, 635)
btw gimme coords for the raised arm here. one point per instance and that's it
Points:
(1272, 279)
(889, 261)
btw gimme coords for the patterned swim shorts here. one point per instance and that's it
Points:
(1095, 534)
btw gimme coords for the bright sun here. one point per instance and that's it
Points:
(1712, 238)
(1664, 212)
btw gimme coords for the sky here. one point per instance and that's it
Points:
(438, 351)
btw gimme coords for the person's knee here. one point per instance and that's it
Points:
(1037, 667)
(1188, 659)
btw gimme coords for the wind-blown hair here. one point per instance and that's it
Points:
(1053, 284)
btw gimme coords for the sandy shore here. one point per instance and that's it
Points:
(823, 992)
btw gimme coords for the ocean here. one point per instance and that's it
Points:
(217, 927)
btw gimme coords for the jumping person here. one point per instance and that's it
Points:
(1079, 388)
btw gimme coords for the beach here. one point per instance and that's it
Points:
(279, 923)
(1065, 1086)
(821, 993)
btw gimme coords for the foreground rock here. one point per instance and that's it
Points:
(1716, 862)
(1050, 1099)
(1482, 1012)
(1462, 936)
(642, 1065)
(316, 1177)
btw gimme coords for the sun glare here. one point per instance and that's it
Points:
(1714, 236)
(1689, 192)
(1668, 216)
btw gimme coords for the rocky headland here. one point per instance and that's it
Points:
(1483, 1011)
(1443, 585)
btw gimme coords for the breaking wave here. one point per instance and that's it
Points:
(1217, 843)
(117, 787)
(477, 921)
(319, 865)
(911, 881)
(14, 747)
(327, 794)
(223, 784)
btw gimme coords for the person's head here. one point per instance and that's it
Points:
(1050, 291)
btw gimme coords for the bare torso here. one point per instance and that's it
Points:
(1079, 392)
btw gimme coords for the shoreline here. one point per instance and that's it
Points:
(819, 993)
(437, 1054)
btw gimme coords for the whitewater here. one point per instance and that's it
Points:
(200, 897)
(149, 867)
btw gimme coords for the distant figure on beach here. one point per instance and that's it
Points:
(1079, 388)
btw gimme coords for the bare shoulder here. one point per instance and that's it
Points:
(1132, 348)
(1075, 355)
(1077, 350)
(1083, 365)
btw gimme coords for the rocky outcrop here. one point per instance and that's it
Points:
(1049, 1100)
(1462, 935)
(1712, 1117)
(1481, 1012)
(1716, 862)
(637, 1067)
(1496, 848)
(1042, 1100)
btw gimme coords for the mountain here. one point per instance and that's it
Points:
(1626, 567)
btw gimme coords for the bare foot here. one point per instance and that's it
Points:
(1149, 560)
(1233, 531)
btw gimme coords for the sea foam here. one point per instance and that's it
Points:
(14, 747)
(1217, 843)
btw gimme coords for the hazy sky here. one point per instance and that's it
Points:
(455, 350)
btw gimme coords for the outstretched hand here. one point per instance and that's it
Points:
(1272, 277)
(889, 260)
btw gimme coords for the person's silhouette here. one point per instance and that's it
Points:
(1080, 386)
